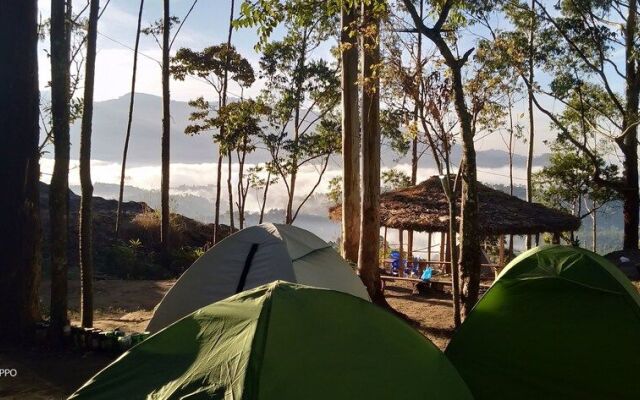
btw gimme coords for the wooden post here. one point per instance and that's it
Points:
(385, 246)
(500, 256)
(447, 254)
(556, 238)
(511, 246)
(401, 267)
(537, 239)
(429, 247)
(441, 257)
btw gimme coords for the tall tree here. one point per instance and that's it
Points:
(166, 137)
(350, 135)
(86, 221)
(369, 254)
(578, 42)
(59, 189)
(212, 64)
(129, 118)
(241, 121)
(531, 71)
(225, 89)
(302, 89)
(469, 230)
(19, 171)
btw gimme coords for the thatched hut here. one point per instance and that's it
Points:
(424, 208)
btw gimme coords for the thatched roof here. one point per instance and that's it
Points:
(424, 208)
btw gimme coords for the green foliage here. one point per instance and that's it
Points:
(393, 179)
(183, 257)
(242, 123)
(335, 190)
(568, 181)
(210, 64)
(129, 260)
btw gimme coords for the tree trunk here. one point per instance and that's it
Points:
(368, 256)
(166, 139)
(59, 189)
(296, 134)
(86, 226)
(230, 190)
(469, 232)
(225, 87)
(129, 120)
(594, 228)
(216, 223)
(455, 275)
(264, 197)
(350, 137)
(19, 162)
(530, 106)
(629, 145)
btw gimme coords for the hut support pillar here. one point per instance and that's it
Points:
(429, 247)
(441, 256)
(447, 254)
(385, 248)
(510, 254)
(500, 255)
(401, 261)
(537, 239)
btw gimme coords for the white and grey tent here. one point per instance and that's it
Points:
(252, 257)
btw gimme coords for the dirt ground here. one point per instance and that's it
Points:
(44, 374)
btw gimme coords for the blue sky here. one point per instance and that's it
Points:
(206, 25)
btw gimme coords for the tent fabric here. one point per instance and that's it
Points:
(282, 341)
(284, 252)
(559, 323)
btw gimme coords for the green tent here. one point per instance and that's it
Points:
(282, 341)
(559, 323)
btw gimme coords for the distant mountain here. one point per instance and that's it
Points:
(110, 121)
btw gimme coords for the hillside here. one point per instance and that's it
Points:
(135, 255)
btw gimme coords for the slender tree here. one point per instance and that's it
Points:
(469, 230)
(211, 64)
(350, 135)
(20, 171)
(531, 71)
(129, 119)
(225, 89)
(166, 137)
(86, 222)
(369, 253)
(59, 189)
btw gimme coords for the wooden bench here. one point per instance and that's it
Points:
(437, 285)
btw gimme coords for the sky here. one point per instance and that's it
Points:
(207, 25)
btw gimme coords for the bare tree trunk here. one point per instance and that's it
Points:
(469, 230)
(242, 193)
(629, 145)
(414, 141)
(225, 88)
(166, 139)
(86, 226)
(264, 197)
(216, 223)
(230, 190)
(594, 228)
(350, 137)
(530, 106)
(368, 256)
(129, 120)
(20, 246)
(59, 189)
